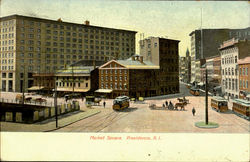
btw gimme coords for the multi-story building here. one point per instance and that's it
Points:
(133, 77)
(82, 74)
(185, 68)
(164, 53)
(213, 66)
(244, 78)
(211, 40)
(231, 51)
(199, 63)
(30, 44)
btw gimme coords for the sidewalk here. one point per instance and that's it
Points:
(49, 124)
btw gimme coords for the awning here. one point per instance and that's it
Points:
(35, 88)
(71, 89)
(104, 90)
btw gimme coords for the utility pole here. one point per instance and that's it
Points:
(55, 102)
(206, 100)
(73, 78)
(23, 84)
(206, 86)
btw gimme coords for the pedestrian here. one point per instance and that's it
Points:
(104, 103)
(82, 98)
(193, 111)
(163, 105)
(166, 103)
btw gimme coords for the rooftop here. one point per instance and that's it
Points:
(246, 60)
(61, 21)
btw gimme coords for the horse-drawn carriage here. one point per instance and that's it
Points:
(19, 98)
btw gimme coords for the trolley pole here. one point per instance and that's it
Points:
(206, 111)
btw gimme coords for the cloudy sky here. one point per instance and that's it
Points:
(171, 19)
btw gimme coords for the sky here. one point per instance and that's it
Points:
(169, 19)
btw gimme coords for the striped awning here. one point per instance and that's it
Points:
(35, 88)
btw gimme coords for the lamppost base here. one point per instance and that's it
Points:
(202, 124)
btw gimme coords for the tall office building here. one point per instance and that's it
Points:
(34, 45)
(164, 53)
(211, 40)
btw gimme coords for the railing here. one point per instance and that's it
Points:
(31, 102)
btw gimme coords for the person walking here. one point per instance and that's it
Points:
(104, 103)
(166, 103)
(193, 111)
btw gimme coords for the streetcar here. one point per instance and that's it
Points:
(121, 103)
(219, 104)
(195, 91)
(241, 107)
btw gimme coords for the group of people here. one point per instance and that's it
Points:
(170, 106)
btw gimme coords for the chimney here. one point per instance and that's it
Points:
(141, 59)
(87, 22)
(59, 20)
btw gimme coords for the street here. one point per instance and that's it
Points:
(140, 118)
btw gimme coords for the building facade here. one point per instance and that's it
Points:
(244, 78)
(38, 45)
(133, 77)
(211, 40)
(231, 51)
(185, 68)
(164, 53)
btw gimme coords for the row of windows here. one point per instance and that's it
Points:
(230, 85)
(115, 78)
(113, 86)
(10, 75)
(10, 29)
(5, 23)
(229, 71)
(10, 61)
(111, 71)
(6, 36)
(10, 48)
(231, 50)
(244, 71)
(63, 84)
(5, 43)
(229, 60)
(243, 84)
(7, 67)
(7, 55)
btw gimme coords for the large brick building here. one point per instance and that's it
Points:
(133, 77)
(164, 53)
(29, 44)
(244, 78)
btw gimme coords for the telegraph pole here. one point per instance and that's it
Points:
(206, 100)
(23, 84)
(55, 102)
(73, 78)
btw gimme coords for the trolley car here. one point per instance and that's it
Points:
(195, 91)
(219, 104)
(121, 102)
(241, 107)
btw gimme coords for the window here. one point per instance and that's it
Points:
(235, 59)
(86, 84)
(246, 84)
(3, 75)
(246, 71)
